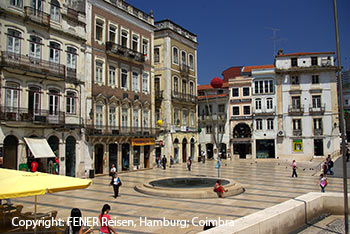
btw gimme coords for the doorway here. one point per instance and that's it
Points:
(265, 149)
(125, 156)
(113, 155)
(99, 159)
(318, 147)
(10, 152)
(146, 153)
(70, 156)
(184, 150)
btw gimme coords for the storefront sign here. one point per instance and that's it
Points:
(142, 141)
(297, 145)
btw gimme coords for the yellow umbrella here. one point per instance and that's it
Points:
(22, 184)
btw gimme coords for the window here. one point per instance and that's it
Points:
(296, 124)
(315, 79)
(124, 79)
(263, 86)
(135, 42)
(208, 129)
(71, 103)
(295, 80)
(71, 59)
(99, 30)
(297, 145)
(191, 61)
(55, 11)
(135, 118)
(99, 72)
(145, 119)
(235, 92)
(347, 102)
(258, 123)
(16, 3)
(235, 110)
(135, 82)
(221, 108)
(271, 86)
(34, 100)
(145, 47)
(145, 86)
(176, 85)
(13, 41)
(183, 58)
(294, 62)
(99, 116)
(54, 52)
(112, 117)
(112, 34)
(296, 102)
(175, 55)
(35, 48)
(191, 89)
(317, 124)
(124, 117)
(246, 91)
(176, 117)
(192, 119)
(184, 117)
(316, 101)
(269, 103)
(111, 75)
(269, 124)
(12, 97)
(37, 4)
(125, 38)
(258, 104)
(246, 110)
(53, 101)
(314, 61)
(221, 128)
(184, 87)
(156, 55)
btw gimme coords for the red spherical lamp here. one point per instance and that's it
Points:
(216, 83)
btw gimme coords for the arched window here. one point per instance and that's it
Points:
(71, 59)
(191, 89)
(191, 61)
(175, 55)
(145, 118)
(34, 98)
(183, 58)
(99, 116)
(184, 87)
(54, 99)
(12, 97)
(176, 85)
(55, 11)
(13, 41)
(71, 103)
(54, 52)
(35, 48)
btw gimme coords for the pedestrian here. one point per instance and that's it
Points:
(116, 183)
(75, 223)
(189, 163)
(113, 170)
(328, 158)
(104, 219)
(171, 161)
(203, 157)
(56, 166)
(323, 182)
(294, 168)
(219, 188)
(164, 161)
(325, 167)
(330, 167)
(158, 161)
(347, 155)
(34, 166)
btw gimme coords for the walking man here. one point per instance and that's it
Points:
(164, 161)
(294, 167)
(116, 182)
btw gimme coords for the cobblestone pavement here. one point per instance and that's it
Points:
(267, 183)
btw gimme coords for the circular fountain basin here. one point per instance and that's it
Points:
(188, 187)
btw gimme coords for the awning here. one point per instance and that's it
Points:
(142, 141)
(39, 147)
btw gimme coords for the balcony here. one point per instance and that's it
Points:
(297, 132)
(317, 110)
(30, 64)
(37, 16)
(44, 117)
(184, 70)
(264, 111)
(104, 130)
(183, 97)
(124, 53)
(295, 110)
(318, 132)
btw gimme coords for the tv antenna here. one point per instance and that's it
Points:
(276, 38)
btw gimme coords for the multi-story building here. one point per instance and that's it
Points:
(240, 113)
(213, 120)
(121, 107)
(307, 105)
(42, 75)
(264, 110)
(175, 61)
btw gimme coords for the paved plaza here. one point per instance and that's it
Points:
(266, 184)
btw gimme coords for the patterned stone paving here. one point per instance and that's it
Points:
(267, 183)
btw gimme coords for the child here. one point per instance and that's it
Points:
(323, 182)
(219, 189)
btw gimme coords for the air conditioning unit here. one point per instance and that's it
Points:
(280, 133)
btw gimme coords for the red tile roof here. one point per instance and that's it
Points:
(303, 53)
(208, 86)
(213, 96)
(250, 68)
(231, 72)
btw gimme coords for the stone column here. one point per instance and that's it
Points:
(131, 157)
(62, 155)
(142, 157)
(119, 158)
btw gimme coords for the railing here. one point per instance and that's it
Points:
(297, 132)
(104, 130)
(317, 110)
(318, 132)
(184, 69)
(295, 109)
(184, 97)
(39, 116)
(125, 52)
(37, 15)
(32, 64)
(71, 73)
(264, 111)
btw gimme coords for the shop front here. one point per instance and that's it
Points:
(141, 152)
(265, 148)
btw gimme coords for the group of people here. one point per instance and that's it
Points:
(327, 166)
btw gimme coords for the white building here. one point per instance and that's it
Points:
(307, 105)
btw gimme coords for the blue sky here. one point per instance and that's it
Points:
(237, 32)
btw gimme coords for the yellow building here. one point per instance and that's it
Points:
(175, 61)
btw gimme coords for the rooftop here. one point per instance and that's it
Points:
(303, 54)
(250, 68)
(168, 24)
(208, 86)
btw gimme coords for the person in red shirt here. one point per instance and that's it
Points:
(34, 166)
(104, 217)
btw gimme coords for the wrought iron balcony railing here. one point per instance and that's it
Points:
(318, 132)
(31, 64)
(184, 69)
(264, 111)
(40, 116)
(37, 16)
(295, 110)
(297, 132)
(104, 130)
(124, 52)
(183, 97)
(317, 110)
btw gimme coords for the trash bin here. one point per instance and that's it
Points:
(91, 173)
